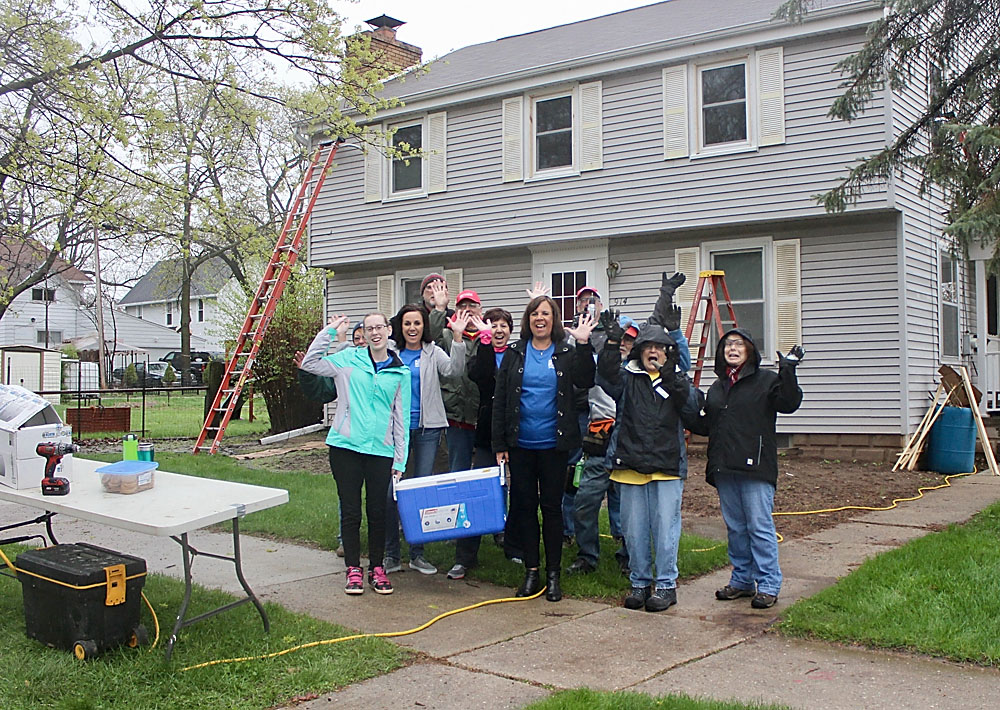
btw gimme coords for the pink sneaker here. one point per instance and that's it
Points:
(355, 581)
(379, 581)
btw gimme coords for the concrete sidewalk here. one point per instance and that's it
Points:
(508, 655)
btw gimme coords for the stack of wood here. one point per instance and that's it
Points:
(958, 392)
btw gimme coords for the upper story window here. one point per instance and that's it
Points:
(723, 99)
(413, 175)
(201, 310)
(553, 134)
(170, 313)
(138, 312)
(407, 173)
(736, 104)
(552, 122)
(43, 294)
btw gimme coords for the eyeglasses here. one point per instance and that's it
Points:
(735, 344)
(376, 328)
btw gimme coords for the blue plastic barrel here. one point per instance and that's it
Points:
(951, 447)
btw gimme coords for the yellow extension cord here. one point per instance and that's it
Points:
(393, 634)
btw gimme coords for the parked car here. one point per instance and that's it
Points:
(199, 359)
(152, 378)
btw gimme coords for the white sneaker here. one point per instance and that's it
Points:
(391, 565)
(457, 572)
(422, 566)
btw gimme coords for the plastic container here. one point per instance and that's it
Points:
(451, 505)
(99, 612)
(128, 476)
(951, 446)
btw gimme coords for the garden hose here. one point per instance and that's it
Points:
(352, 637)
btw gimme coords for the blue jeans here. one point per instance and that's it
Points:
(595, 481)
(461, 442)
(420, 462)
(653, 509)
(747, 505)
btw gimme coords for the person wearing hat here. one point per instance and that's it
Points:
(460, 394)
(358, 336)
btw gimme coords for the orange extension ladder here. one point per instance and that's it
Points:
(264, 303)
(711, 285)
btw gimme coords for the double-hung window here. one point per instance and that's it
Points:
(406, 159)
(407, 172)
(722, 97)
(552, 121)
(43, 294)
(170, 313)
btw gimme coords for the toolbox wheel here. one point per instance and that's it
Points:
(139, 637)
(84, 650)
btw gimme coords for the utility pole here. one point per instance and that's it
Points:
(102, 381)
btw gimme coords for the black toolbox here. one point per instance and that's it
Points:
(82, 597)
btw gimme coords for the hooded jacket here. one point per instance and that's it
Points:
(373, 408)
(435, 363)
(740, 419)
(574, 366)
(649, 434)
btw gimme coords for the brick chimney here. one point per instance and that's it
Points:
(390, 54)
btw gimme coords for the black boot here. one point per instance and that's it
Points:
(530, 585)
(554, 591)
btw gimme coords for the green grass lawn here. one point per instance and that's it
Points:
(584, 699)
(311, 516)
(935, 595)
(178, 415)
(36, 676)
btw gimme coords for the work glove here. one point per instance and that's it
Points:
(665, 313)
(795, 355)
(611, 324)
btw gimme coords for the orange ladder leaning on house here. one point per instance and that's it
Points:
(714, 282)
(264, 303)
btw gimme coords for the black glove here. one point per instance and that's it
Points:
(669, 368)
(611, 324)
(795, 355)
(670, 284)
(664, 311)
(672, 319)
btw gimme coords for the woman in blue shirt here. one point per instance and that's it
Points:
(535, 426)
(426, 362)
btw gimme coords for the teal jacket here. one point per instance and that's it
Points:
(373, 409)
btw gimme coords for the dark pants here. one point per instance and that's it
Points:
(467, 548)
(537, 479)
(352, 470)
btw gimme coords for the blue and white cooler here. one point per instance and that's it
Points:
(451, 505)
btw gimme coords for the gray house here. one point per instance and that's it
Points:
(661, 138)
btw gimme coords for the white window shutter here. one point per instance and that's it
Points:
(688, 262)
(770, 97)
(591, 127)
(675, 112)
(453, 277)
(788, 289)
(373, 165)
(386, 295)
(513, 139)
(437, 149)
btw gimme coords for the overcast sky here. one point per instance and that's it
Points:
(440, 26)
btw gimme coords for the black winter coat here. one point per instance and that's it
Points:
(483, 372)
(574, 366)
(740, 420)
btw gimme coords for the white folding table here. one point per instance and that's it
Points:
(175, 506)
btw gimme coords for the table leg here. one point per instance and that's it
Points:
(188, 554)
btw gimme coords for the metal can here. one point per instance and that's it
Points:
(145, 451)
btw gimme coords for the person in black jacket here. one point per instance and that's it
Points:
(535, 426)
(739, 418)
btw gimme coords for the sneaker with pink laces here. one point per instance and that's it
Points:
(355, 581)
(379, 581)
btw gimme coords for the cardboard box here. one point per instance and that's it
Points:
(26, 420)
(451, 505)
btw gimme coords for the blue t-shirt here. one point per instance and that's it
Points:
(411, 358)
(538, 400)
(499, 356)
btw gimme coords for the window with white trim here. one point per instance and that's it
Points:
(48, 338)
(138, 312)
(389, 176)
(170, 313)
(402, 287)
(43, 294)
(950, 295)
(745, 281)
(553, 134)
(725, 105)
(201, 310)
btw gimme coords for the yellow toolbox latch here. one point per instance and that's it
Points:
(116, 585)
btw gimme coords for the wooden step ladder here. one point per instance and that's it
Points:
(711, 285)
(265, 301)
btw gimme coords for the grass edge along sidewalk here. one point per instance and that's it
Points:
(37, 676)
(310, 516)
(585, 699)
(936, 595)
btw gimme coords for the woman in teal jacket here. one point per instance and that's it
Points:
(369, 437)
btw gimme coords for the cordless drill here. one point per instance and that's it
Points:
(53, 485)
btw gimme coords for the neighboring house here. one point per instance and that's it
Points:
(156, 298)
(51, 311)
(668, 137)
(130, 339)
